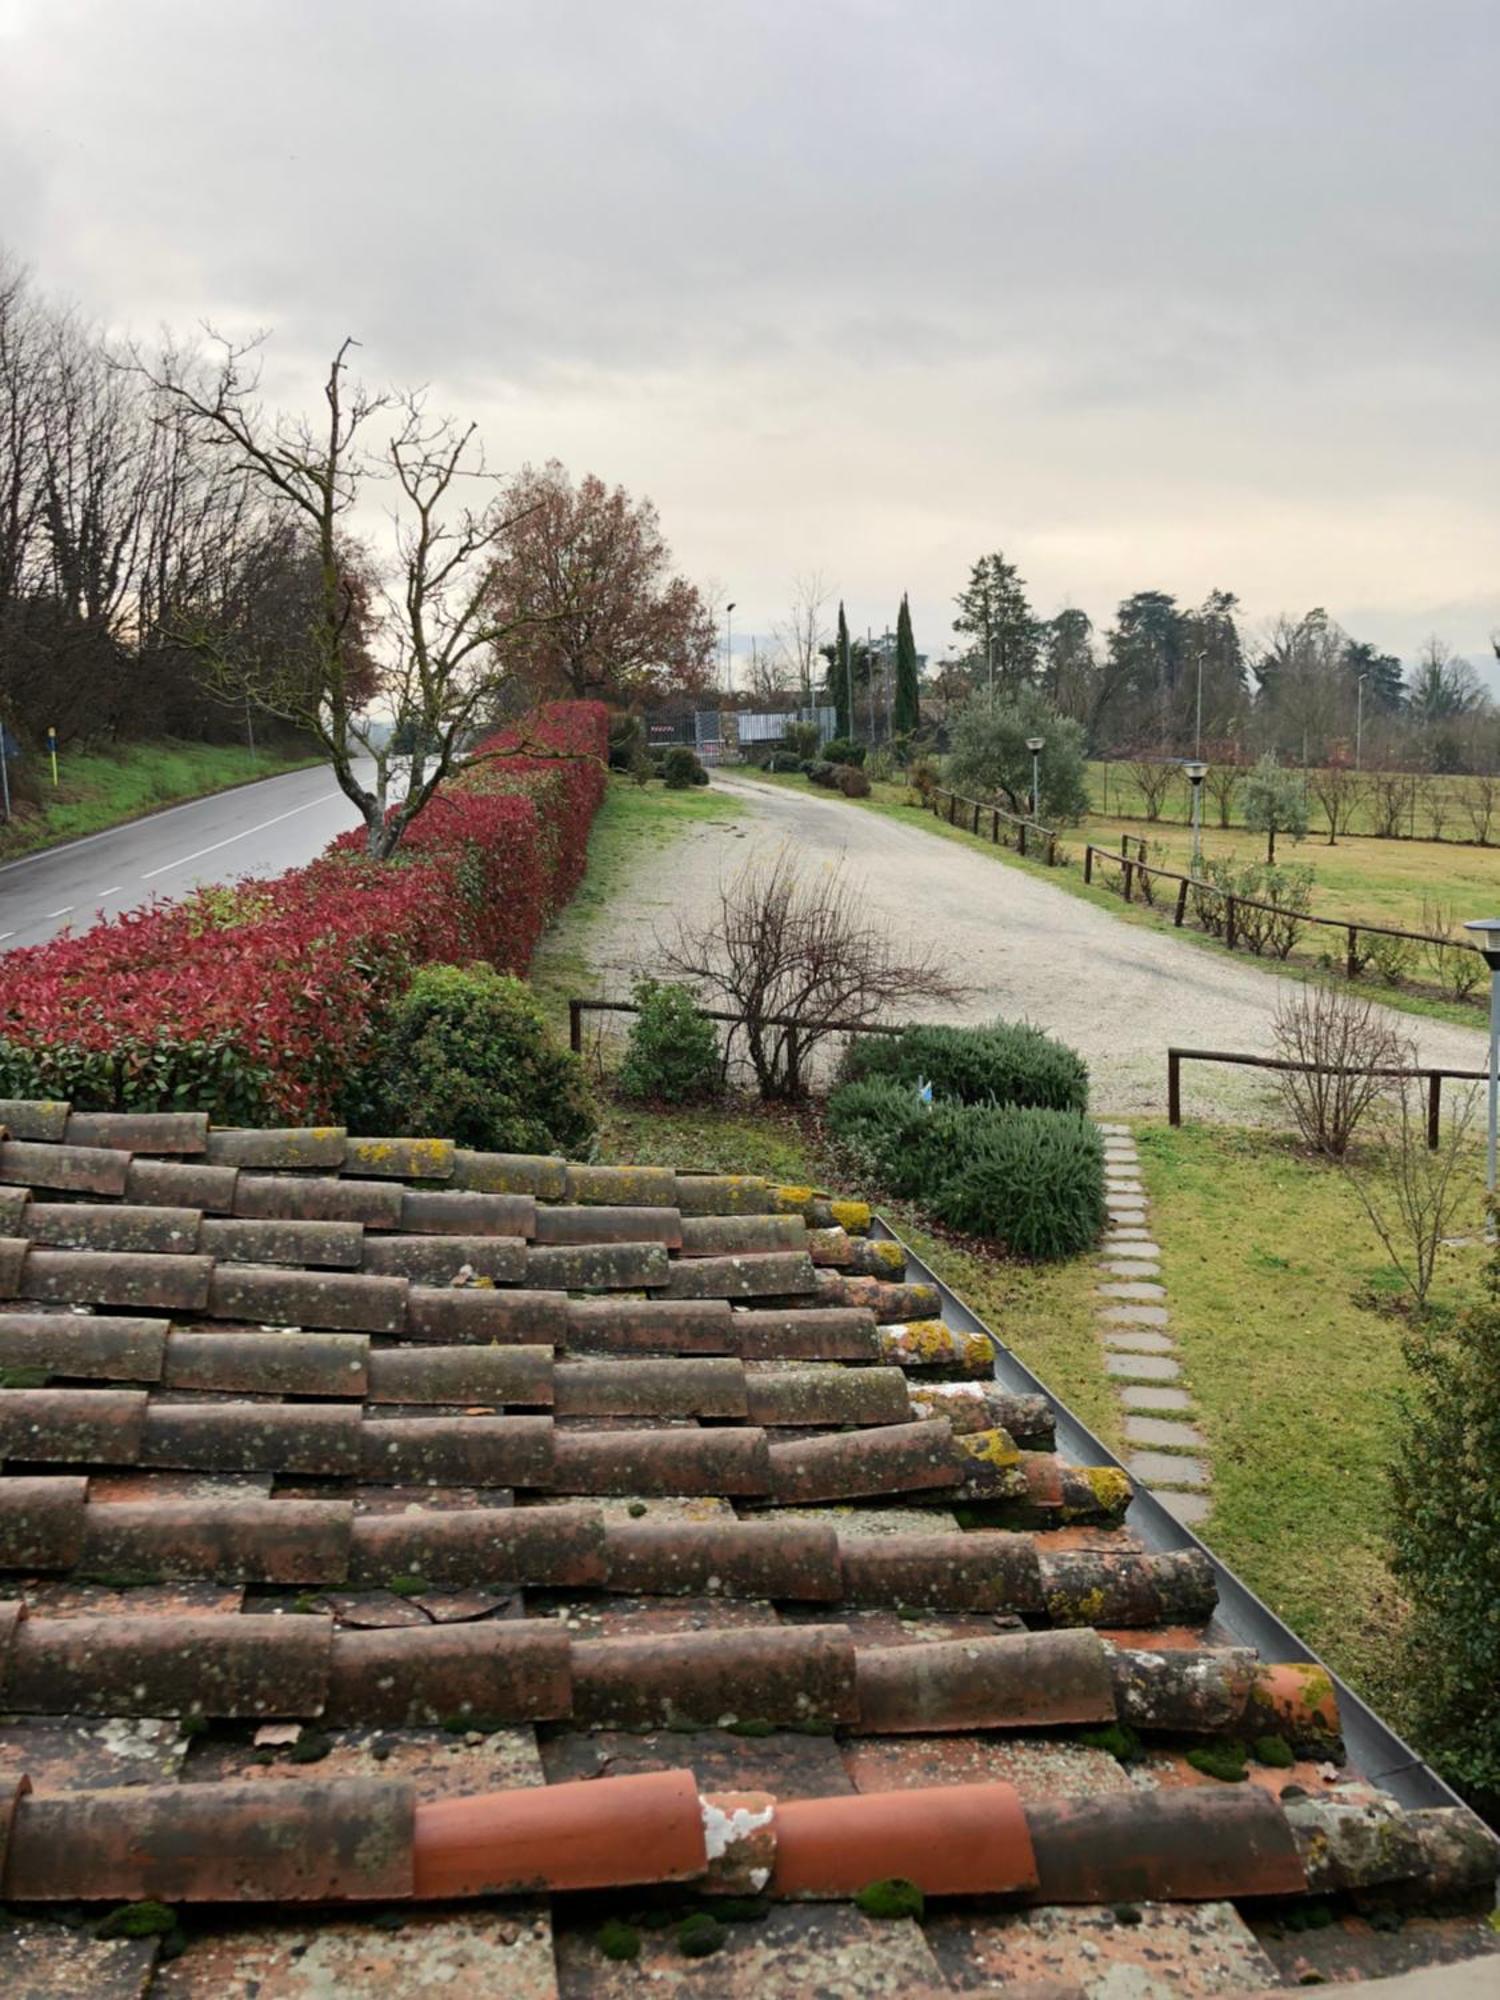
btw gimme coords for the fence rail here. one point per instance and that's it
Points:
(578, 1007)
(1133, 867)
(1435, 1079)
(974, 809)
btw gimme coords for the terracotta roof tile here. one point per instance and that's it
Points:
(139, 1131)
(655, 1635)
(45, 1119)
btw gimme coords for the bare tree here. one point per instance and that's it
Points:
(1340, 791)
(768, 675)
(1346, 1042)
(801, 635)
(1413, 1194)
(1226, 774)
(439, 670)
(1153, 781)
(1481, 796)
(791, 951)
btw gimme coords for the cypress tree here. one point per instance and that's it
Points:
(906, 714)
(842, 678)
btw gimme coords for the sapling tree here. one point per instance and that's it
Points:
(1275, 802)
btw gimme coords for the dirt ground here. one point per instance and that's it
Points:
(1118, 993)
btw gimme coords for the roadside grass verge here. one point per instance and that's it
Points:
(890, 801)
(104, 788)
(632, 817)
(1272, 1271)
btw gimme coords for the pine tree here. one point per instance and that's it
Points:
(995, 615)
(907, 712)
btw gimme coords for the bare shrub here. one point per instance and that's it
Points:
(1391, 795)
(1225, 776)
(1481, 796)
(790, 949)
(1153, 781)
(1453, 963)
(1347, 1039)
(1413, 1195)
(1436, 803)
(1340, 792)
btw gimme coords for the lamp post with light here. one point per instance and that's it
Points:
(1036, 745)
(729, 649)
(1487, 936)
(1359, 719)
(1196, 771)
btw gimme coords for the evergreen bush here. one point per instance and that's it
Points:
(1006, 1062)
(823, 774)
(853, 783)
(466, 1053)
(842, 751)
(673, 1052)
(1032, 1181)
(681, 769)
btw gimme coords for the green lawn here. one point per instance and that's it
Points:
(104, 788)
(1449, 808)
(1270, 1264)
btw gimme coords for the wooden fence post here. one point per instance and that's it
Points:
(1088, 861)
(1182, 889)
(1126, 868)
(1174, 1087)
(1021, 840)
(1351, 965)
(953, 809)
(995, 827)
(1051, 850)
(1434, 1109)
(575, 1026)
(1229, 922)
(975, 827)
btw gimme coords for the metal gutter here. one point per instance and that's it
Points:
(1375, 1749)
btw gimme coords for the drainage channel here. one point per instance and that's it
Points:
(1375, 1749)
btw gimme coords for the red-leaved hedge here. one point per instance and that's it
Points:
(261, 999)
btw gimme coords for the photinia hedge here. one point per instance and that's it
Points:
(261, 1000)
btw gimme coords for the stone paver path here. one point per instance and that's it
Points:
(1168, 1453)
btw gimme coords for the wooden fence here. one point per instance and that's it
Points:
(971, 811)
(577, 1008)
(1136, 868)
(1435, 1079)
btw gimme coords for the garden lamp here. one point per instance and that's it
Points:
(1036, 745)
(1487, 936)
(1196, 771)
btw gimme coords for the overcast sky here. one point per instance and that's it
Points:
(1148, 293)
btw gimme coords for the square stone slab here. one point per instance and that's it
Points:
(1164, 1468)
(1118, 1268)
(1161, 1431)
(1141, 1396)
(1136, 1250)
(1144, 1294)
(1134, 1315)
(1136, 1340)
(1192, 1509)
(1142, 1367)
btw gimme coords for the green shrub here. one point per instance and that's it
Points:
(1446, 1539)
(1007, 1062)
(800, 740)
(1032, 1181)
(783, 761)
(823, 774)
(892, 1135)
(673, 1052)
(466, 1054)
(853, 783)
(680, 769)
(842, 751)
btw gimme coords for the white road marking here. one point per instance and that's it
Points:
(183, 859)
(5, 934)
(110, 892)
(66, 911)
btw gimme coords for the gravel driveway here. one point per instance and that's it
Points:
(1117, 992)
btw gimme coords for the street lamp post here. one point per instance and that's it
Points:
(1036, 745)
(1487, 936)
(991, 645)
(1359, 719)
(1196, 771)
(728, 649)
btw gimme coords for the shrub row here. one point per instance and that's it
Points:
(263, 1000)
(1005, 1063)
(1002, 1150)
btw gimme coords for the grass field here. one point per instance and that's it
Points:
(1452, 809)
(1272, 1270)
(103, 788)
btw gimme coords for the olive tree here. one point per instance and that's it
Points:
(1275, 802)
(989, 758)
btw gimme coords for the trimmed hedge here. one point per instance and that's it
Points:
(260, 1001)
(1004, 1063)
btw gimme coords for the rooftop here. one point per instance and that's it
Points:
(427, 1566)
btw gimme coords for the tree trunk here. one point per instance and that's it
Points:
(1271, 847)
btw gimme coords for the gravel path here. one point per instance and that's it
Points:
(1119, 993)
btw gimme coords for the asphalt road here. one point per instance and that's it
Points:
(254, 830)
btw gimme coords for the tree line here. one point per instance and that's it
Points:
(174, 559)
